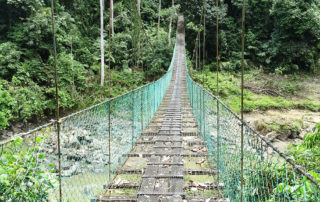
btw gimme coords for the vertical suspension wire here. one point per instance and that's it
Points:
(203, 61)
(141, 105)
(57, 94)
(218, 114)
(132, 122)
(200, 96)
(102, 43)
(109, 95)
(242, 96)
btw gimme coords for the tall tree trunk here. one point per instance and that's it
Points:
(138, 45)
(138, 6)
(170, 24)
(111, 17)
(101, 43)
(72, 61)
(159, 17)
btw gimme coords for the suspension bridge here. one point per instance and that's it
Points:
(170, 140)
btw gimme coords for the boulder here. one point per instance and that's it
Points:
(272, 136)
(73, 142)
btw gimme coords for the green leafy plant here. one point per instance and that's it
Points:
(307, 154)
(24, 176)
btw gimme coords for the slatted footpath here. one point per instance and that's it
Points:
(169, 161)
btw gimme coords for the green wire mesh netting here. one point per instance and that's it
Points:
(32, 158)
(268, 176)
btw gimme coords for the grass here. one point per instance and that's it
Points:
(129, 177)
(82, 187)
(230, 91)
(121, 192)
(205, 193)
(199, 178)
(135, 163)
(191, 163)
(281, 126)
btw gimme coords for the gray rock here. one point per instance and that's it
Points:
(9, 133)
(74, 143)
(284, 136)
(76, 155)
(72, 171)
(272, 136)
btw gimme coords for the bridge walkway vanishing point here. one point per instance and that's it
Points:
(171, 147)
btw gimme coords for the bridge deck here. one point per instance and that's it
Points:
(171, 150)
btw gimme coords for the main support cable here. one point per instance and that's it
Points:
(109, 95)
(217, 64)
(203, 61)
(242, 86)
(57, 94)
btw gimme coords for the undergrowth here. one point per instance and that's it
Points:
(230, 92)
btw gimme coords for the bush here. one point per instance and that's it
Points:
(23, 176)
(5, 112)
(307, 153)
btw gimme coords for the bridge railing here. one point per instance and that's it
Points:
(90, 155)
(269, 175)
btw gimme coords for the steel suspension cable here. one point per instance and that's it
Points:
(109, 95)
(217, 65)
(242, 96)
(57, 93)
(203, 61)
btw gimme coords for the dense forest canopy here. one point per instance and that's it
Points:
(26, 54)
(282, 36)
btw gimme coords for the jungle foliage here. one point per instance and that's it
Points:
(281, 35)
(26, 54)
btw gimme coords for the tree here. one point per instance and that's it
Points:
(111, 17)
(101, 43)
(159, 12)
(138, 6)
(170, 24)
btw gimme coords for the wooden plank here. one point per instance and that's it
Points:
(177, 170)
(115, 198)
(144, 155)
(151, 170)
(147, 198)
(161, 186)
(176, 185)
(147, 184)
(202, 199)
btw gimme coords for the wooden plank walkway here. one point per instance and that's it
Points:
(169, 162)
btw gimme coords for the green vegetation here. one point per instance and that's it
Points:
(26, 54)
(195, 163)
(281, 36)
(22, 176)
(289, 127)
(202, 193)
(199, 178)
(229, 91)
(120, 192)
(282, 51)
(129, 177)
(307, 154)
